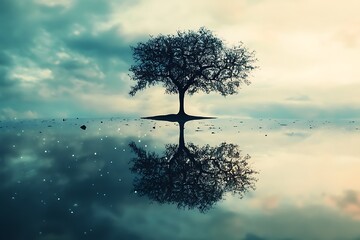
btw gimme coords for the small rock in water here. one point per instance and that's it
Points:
(83, 127)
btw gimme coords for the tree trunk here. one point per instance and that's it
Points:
(181, 103)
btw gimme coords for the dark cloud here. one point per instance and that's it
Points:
(32, 39)
(17, 24)
(251, 236)
(108, 44)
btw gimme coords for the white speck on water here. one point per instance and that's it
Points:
(135, 191)
(94, 153)
(139, 140)
(13, 145)
(58, 199)
(145, 145)
(115, 148)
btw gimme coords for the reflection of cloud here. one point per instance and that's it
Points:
(10, 114)
(267, 204)
(291, 111)
(299, 98)
(348, 203)
(252, 236)
(297, 134)
(64, 184)
(120, 215)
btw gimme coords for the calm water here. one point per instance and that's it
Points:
(244, 179)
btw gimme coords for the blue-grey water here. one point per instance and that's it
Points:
(244, 179)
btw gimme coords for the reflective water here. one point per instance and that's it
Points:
(247, 179)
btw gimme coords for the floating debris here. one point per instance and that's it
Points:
(83, 127)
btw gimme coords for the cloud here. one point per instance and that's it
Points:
(52, 48)
(138, 20)
(50, 51)
(55, 3)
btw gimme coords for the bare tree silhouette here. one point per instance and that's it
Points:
(191, 176)
(189, 62)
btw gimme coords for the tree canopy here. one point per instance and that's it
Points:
(189, 62)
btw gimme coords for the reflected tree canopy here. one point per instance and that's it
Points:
(191, 176)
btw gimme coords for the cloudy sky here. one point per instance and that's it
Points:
(70, 58)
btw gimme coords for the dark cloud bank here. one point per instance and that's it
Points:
(66, 42)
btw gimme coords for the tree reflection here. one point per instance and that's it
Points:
(191, 176)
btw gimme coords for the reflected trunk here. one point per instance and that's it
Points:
(181, 135)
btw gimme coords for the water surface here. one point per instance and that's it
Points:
(289, 179)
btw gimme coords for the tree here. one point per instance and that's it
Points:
(191, 176)
(189, 62)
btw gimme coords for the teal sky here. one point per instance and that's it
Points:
(70, 58)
